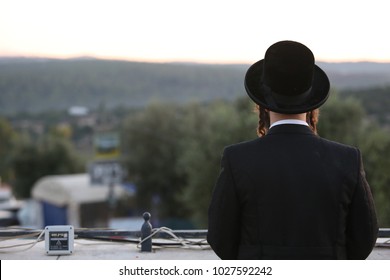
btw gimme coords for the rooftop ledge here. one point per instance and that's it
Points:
(125, 245)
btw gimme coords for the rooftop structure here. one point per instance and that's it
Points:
(108, 244)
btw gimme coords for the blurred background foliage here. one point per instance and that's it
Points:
(177, 155)
(172, 151)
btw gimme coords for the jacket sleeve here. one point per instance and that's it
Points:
(223, 214)
(362, 226)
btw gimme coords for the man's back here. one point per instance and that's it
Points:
(291, 192)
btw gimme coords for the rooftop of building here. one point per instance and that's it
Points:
(114, 245)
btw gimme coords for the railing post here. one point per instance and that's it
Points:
(146, 230)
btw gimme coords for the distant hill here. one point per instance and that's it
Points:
(37, 85)
(354, 75)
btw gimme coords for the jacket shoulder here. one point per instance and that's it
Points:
(242, 147)
(338, 147)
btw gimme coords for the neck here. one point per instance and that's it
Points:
(274, 117)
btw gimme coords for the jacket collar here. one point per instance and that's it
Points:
(290, 129)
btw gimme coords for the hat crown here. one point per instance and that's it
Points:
(288, 68)
(287, 80)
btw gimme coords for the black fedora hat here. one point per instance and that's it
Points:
(287, 80)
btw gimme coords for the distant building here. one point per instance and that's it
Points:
(78, 111)
(71, 199)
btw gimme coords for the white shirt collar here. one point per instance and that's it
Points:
(289, 121)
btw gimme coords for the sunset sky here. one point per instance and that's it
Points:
(218, 31)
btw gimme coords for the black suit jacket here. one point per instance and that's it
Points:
(292, 195)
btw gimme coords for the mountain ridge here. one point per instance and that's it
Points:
(41, 84)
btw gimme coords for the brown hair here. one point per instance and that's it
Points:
(312, 119)
(264, 120)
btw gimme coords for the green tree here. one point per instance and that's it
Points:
(341, 119)
(8, 138)
(150, 144)
(50, 155)
(375, 147)
(345, 120)
(208, 130)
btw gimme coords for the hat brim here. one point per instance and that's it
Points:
(317, 96)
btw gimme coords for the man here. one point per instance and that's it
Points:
(291, 194)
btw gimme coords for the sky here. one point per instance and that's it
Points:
(205, 31)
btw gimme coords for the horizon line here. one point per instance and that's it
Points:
(178, 61)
